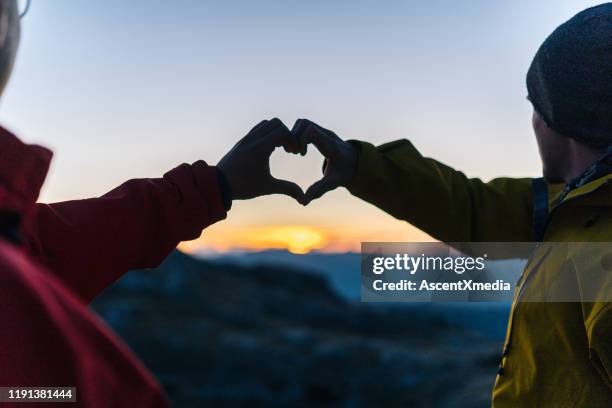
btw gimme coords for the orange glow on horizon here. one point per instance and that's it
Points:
(298, 239)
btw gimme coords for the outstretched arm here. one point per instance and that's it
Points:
(90, 243)
(441, 201)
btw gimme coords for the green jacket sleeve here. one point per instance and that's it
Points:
(439, 200)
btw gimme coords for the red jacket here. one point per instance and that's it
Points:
(68, 253)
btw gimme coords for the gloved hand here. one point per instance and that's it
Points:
(340, 156)
(246, 168)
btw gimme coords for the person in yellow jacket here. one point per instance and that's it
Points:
(556, 354)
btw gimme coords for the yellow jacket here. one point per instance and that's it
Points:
(555, 354)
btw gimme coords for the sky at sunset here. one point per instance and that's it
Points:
(124, 89)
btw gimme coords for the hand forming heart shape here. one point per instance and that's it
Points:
(340, 156)
(246, 168)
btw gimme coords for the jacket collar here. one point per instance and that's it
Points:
(588, 188)
(591, 188)
(591, 179)
(23, 169)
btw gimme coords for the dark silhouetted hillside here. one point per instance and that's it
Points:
(218, 334)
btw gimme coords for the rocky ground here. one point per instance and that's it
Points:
(219, 334)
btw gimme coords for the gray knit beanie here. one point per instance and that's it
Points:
(570, 78)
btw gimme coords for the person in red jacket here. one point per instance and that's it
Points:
(55, 258)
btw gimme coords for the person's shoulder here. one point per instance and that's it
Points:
(23, 279)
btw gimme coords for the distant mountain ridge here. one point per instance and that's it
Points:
(340, 269)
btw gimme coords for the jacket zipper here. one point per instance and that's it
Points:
(519, 295)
